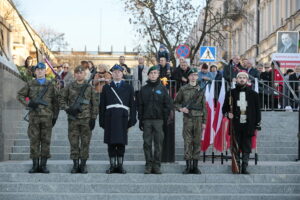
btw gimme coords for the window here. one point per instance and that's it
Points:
(287, 6)
(269, 18)
(277, 14)
(261, 24)
(297, 5)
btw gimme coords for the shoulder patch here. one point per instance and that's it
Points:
(158, 92)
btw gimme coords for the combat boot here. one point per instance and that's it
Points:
(43, 167)
(188, 167)
(156, 170)
(195, 169)
(148, 169)
(245, 159)
(120, 169)
(35, 166)
(75, 168)
(83, 167)
(112, 168)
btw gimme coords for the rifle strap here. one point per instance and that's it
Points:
(83, 89)
(43, 91)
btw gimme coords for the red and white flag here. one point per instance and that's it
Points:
(208, 134)
(219, 138)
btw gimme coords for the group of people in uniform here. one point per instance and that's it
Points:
(117, 110)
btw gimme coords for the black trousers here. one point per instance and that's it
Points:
(242, 137)
(115, 150)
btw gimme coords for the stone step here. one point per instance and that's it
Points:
(56, 166)
(140, 156)
(151, 178)
(93, 149)
(144, 196)
(179, 188)
(25, 142)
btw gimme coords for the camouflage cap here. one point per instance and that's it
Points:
(79, 69)
(193, 70)
(151, 69)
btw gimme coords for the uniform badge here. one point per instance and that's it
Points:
(158, 92)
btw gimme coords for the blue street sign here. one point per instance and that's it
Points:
(208, 54)
(182, 51)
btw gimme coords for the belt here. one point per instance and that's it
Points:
(117, 106)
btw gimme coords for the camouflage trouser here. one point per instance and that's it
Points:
(79, 134)
(192, 133)
(39, 133)
(153, 131)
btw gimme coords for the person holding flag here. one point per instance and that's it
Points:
(190, 100)
(242, 107)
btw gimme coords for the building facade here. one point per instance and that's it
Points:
(97, 57)
(254, 33)
(15, 42)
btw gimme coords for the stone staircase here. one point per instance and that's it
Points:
(277, 175)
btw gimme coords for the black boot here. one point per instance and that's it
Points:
(148, 168)
(156, 170)
(35, 166)
(83, 167)
(112, 168)
(195, 169)
(75, 168)
(245, 159)
(43, 167)
(120, 168)
(188, 167)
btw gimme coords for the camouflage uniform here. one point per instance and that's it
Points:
(40, 120)
(79, 129)
(192, 122)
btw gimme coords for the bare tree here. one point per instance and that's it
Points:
(54, 40)
(170, 22)
(166, 22)
(216, 21)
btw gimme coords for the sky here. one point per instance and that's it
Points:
(81, 20)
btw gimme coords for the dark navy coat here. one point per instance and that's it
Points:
(116, 121)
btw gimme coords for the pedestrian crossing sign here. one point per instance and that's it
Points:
(208, 54)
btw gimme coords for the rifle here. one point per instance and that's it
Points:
(235, 168)
(234, 148)
(195, 96)
(76, 106)
(39, 100)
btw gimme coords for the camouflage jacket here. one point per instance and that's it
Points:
(184, 96)
(32, 90)
(69, 94)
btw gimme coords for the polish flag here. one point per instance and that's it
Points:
(219, 138)
(209, 133)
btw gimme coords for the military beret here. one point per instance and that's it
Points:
(192, 70)
(243, 74)
(116, 67)
(40, 65)
(79, 69)
(151, 69)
